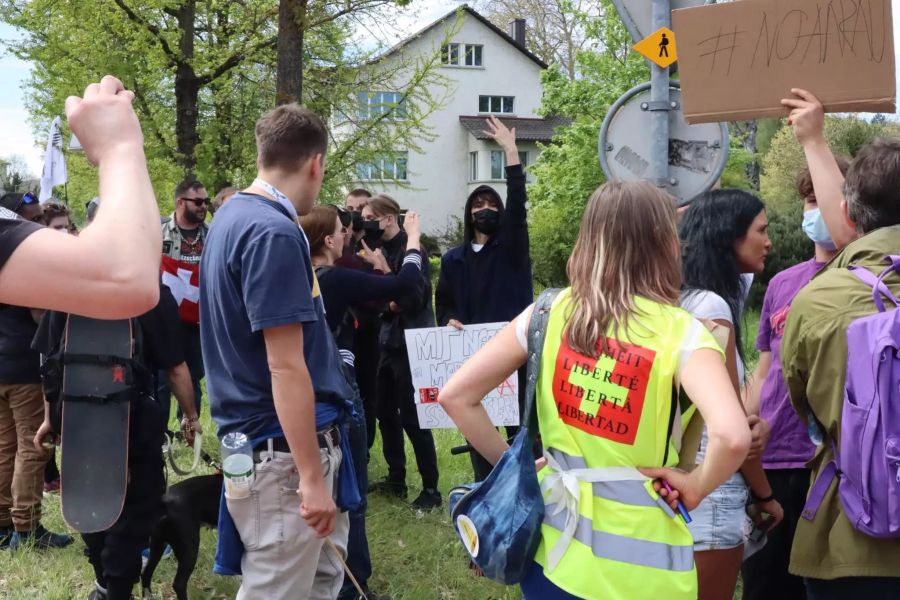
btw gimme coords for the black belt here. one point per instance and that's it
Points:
(280, 444)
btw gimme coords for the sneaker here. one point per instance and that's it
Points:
(52, 487)
(40, 539)
(389, 488)
(429, 499)
(6, 535)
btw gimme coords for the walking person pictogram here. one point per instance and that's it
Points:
(664, 46)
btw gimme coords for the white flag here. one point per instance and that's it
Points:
(54, 162)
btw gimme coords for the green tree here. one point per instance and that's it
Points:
(203, 72)
(568, 171)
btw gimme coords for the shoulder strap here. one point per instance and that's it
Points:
(537, 330)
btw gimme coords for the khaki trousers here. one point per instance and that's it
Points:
(21, 464)
(283, 558)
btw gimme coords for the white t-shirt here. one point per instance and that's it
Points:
(704, 304)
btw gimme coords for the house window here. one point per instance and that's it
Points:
(495, 104)
(473, 55)
(468, 55)
(384, 167)
(498, 163)
(473, 166)
(450, 54)
(375, 104)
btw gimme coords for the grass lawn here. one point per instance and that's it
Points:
(416, 556)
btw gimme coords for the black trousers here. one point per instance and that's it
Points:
(396, 414)
(765, 574)
(115, 554)
(853, 588)
(480, 466)
(367, 357)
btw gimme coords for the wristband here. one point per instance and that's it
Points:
(758, 500)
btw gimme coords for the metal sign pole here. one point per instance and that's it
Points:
(659, 105)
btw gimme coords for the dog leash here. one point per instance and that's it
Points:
(169, 446)
(347, 570)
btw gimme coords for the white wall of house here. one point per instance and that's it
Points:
(438, 175)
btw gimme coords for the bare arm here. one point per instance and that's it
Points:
(462, 396)
(295, 405)
(754, 385)
(183, 388)
(111, 270)
(808, 120)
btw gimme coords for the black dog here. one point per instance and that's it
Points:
(189, 504)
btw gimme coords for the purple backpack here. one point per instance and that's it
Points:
(867, 463)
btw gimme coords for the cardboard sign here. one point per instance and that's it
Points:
(738, 60)
(435, 354)
(659, 47)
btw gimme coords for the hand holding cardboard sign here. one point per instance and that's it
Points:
(104, 120)
(807, 116)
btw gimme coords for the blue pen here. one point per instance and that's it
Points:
(681, 509)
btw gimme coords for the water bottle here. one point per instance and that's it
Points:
(237, 465)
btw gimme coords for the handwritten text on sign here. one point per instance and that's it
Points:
(738, 60)
(435, 354)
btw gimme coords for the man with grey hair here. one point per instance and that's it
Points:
(835, 559)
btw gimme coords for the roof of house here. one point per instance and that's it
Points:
(527, 129)
(468, 9)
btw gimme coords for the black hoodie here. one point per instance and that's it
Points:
(494, 284)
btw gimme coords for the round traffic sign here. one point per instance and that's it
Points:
(697, 153)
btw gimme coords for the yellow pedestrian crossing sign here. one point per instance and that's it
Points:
(659, 47)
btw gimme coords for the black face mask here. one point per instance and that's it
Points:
(486, 221)
(373, 235)
(358, 222)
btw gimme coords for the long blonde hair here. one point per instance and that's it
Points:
(627, 247)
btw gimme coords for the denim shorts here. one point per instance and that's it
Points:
(721, 521)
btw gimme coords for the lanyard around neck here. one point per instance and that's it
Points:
(279, 197)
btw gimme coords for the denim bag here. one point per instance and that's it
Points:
(499, 520)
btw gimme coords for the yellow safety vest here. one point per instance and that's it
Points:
(606, 533)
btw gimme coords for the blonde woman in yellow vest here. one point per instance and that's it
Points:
(616, 346)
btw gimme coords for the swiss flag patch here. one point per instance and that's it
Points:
(183, 279)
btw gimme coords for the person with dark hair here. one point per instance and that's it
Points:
(274, 372)
(765, 574)
(25, 205)
(343, 291)
(724, 234)
(396, 406)
(184, 234)
(355, 202)
(487, 279)
(862, 213)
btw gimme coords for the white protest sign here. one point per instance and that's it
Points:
(435, 354)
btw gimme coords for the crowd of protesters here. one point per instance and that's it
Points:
(299, 333)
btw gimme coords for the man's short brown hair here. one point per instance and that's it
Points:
(872, 185)
(804, 179)
(288, 136)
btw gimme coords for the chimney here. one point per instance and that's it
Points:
(517, 31)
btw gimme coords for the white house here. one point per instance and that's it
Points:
(489, 72)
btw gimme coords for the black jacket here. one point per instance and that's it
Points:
(495, 284)
(415, 304)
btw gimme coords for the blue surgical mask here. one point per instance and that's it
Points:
(815, 229)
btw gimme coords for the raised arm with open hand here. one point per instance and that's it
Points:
(505, 137)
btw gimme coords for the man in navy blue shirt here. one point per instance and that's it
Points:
(272, 367)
